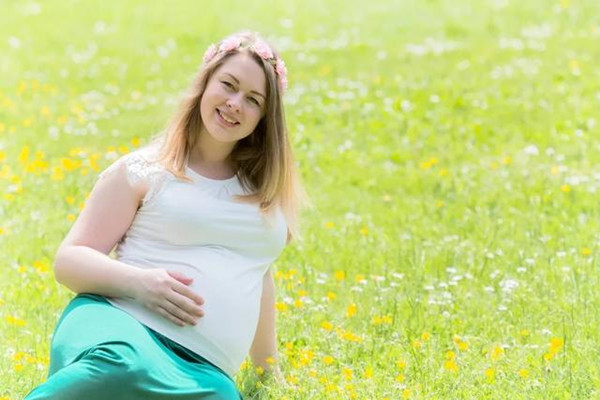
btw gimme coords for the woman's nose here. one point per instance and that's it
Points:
(233, 103)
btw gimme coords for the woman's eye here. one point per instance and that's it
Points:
(227, 84)
(252, 99)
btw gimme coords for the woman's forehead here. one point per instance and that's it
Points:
(246, 71)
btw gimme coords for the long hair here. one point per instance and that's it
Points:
(266, 165)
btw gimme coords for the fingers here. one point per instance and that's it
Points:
(180, 277)
(187, 292)
(170, 316)
(178, 312)
(185, 304)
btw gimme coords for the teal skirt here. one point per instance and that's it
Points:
(99, 351)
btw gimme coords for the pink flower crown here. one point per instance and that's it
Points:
(259, 47)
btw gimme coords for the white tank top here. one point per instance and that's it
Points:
(199, 230)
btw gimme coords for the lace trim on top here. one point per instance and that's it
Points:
(140, 169)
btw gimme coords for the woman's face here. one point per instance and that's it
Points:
(234, 99)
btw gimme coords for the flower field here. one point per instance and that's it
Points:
(450, 149)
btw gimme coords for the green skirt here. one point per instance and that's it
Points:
(99, 351)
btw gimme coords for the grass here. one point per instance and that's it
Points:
(450, 149)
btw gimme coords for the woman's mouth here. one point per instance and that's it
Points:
(226, 120)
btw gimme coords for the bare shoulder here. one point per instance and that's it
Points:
(113, 202)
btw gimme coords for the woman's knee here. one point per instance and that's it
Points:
(116, 361)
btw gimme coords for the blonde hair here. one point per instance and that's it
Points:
(265, 160)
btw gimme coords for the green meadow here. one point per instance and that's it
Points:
(450, 150)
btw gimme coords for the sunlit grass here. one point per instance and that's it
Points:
(450, 149)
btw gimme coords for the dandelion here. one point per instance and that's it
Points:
(451, 366)
(586, 252)
(328, 326)
(490, 374)
(565, 188)
(399, 378)
(368, 373)
(523, 373)
(556, 345)
(347, 373)
(281, 306)
(351, 337)
(460, 344)
(364, 231)
(329, 225)
(416, 344)
(340, 275)
(57, 174)
(24, 154)
(496, 353)
(351, 311)
(16, 321)
(406, 394)
(327, 360)
(331, 296)
(41, 266)
(429, 163)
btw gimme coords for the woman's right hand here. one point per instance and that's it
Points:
(168, 293)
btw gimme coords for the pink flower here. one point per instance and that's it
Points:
(230, 43)
(263, 50)
(281, 72)
(282, 84)
(210, 53)
(280, 68)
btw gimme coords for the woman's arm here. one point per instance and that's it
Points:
(83, 265)
(264, 346)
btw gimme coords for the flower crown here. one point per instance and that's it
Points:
(259, 47)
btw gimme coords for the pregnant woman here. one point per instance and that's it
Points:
(197, 218)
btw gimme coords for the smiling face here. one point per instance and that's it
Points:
(234, 99)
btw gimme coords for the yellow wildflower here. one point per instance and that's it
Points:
(351, 311)
(523, 373)
(327, 325)
(340, 275)
(348, 374)
(451, 366)
(496, 353)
